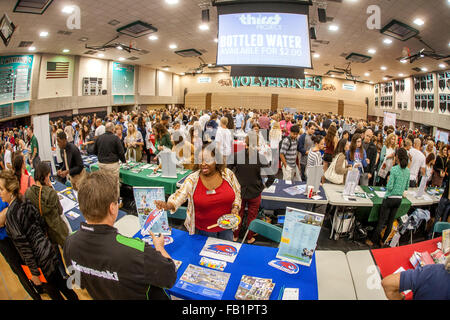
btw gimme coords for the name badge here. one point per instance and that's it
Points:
(209, 192)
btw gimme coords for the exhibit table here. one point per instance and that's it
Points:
(142, 179)
(372, 213)
(251, 260)
(75, 222)
(280, 199)
(432, 196)
(390, 260)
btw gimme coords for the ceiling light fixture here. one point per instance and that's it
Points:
(366, 74)
(387, 41)
(385, 78)
(121, 59)
(316, 55)
(220, 70)
(172, 1)
(173, 46)
(441, 65)
(43, 34)
(203, 27)
(32, 49)
(119, 48)
(333, 27)
(403, 61)
(100, 55)
(153, 37)
(424, 69)
(217, 40)
(383, 68)
(419, 22)
(400, 74)
(68, 9)
(66, 50)
(372, 51)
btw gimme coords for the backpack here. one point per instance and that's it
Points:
(281, 143)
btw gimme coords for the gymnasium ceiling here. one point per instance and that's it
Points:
(179, 24)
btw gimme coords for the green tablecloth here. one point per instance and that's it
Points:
(141, 179)
(372, 212)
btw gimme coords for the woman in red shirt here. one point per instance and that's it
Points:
(212, 191)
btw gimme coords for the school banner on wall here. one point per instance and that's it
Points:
(122, 79)
(311, 83)
(15, 78)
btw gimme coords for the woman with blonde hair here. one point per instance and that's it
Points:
(387, 157)
(134, 143)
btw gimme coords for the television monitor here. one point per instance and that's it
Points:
(271, 39)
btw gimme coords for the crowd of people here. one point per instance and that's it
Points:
(226, 179)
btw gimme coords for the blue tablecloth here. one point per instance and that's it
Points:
(75, 223)
(252, 260)
(284, 199)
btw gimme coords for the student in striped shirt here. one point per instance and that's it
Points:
(288, 156)
(314, 155)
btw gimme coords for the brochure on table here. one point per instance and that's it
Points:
(299, 237)
(203, 281)
(168, 162)
(314, 177)
(145, 198)
(351, 182)
(221, 249)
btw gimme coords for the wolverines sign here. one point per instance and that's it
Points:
(311, 83)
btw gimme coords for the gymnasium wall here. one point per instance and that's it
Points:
(324, 98)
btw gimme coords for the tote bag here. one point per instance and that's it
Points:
(331, 174)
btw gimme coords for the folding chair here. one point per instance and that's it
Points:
(440, 226)
(265, 229)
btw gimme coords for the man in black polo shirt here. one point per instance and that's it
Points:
(112, 266)
(109, 150)
(73, 167)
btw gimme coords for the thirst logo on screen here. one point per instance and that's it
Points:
(260, 19)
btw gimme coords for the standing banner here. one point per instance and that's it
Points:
(390, 119)
(41, 129)
(299, 237)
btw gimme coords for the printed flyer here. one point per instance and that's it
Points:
(145, 204)
(299, 237)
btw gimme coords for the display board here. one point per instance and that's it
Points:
(443, 79)
(15, 78)
(402, 94)
(386, 91)
(424, 93)
(264, 39)
(122, 79)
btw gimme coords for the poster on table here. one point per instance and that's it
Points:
(299, 237)
(221, 249)
(122, 79)
(389, 119)
(151, 219)
(15, 78)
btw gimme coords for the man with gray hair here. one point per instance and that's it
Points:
(109, 150)
(8, 156)
(431, 282)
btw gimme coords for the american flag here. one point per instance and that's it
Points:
(57, 70)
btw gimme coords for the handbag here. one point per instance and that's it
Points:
(331, 174)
